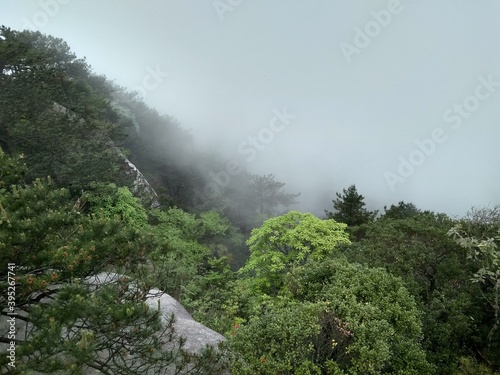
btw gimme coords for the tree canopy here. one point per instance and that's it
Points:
(349, 208)
(289, 239)
(408, 292)
(313, 312)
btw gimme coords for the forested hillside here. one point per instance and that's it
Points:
(402, 291)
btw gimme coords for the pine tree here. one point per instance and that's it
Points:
(269, 195)
(401, 211)
(53, 112)
(350, 208)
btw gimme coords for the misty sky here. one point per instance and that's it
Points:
(400, 98)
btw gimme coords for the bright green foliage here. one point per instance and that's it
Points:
(286, 240)
(180, 251)
(296, 307)
(112, 202)
(42, 231)
(208, 224)
(304, 310)
(213, 222)
(349, 208)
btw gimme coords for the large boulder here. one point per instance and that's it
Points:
(197, 335)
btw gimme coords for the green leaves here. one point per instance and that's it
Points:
(81, 324)
(51, 112)
(485, 253)
(110, 201)
(12, 170)
(306, 310)
(368, 313)
(280, 340)
(288, 239)
(415, 247)
(63, 218)
(182, 243)
(333, 314)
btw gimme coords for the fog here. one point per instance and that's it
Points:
(398, 97)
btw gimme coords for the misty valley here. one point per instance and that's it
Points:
(125, 249)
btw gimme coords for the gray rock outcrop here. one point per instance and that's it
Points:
(197, 336)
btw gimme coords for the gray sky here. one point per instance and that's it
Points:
(400, 98)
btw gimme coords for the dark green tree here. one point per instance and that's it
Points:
(370, 324)
(54, 111)
(401, 211)
(436, 272)
(207, 294)
(159, 147)
(484, 254)
(349, 208)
